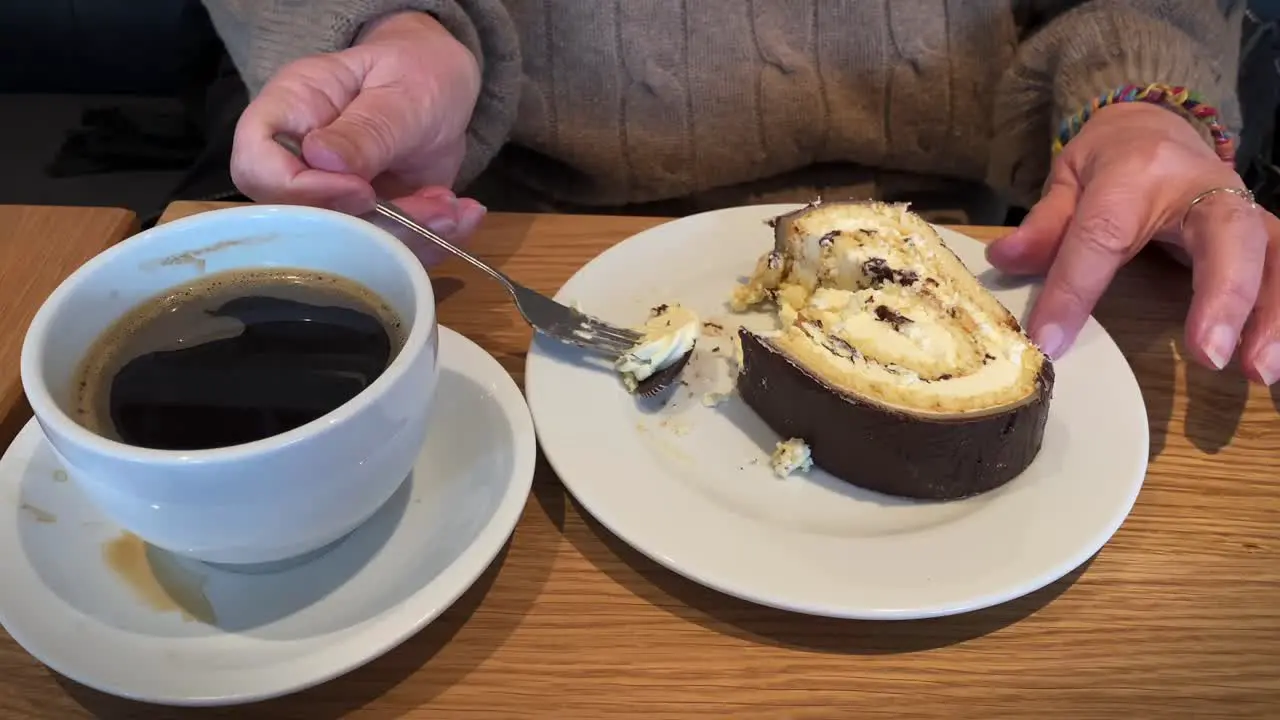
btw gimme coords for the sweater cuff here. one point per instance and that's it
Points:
(264, 35)
(1086, 53)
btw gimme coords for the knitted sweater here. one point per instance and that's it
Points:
(690, 104)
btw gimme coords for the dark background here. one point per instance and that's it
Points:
(131, 103)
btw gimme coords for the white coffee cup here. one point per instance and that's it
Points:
(264, 501)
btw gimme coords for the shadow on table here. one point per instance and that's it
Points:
(722, 613)
(449, 660)
(549, 493)
(446, 287)
(1145, 313)
(496, 241)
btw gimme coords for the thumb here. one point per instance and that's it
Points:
(1031, 248)
(367, 137)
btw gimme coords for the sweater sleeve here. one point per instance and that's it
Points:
(263, 35)
(1099, 46)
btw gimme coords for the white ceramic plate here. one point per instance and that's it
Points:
(272, 634)
(690, 486)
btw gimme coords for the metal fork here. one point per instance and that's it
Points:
(541, 312)
(545, 315)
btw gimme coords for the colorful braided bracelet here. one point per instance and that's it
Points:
(1178, 99)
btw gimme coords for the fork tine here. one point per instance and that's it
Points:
(605, 348)
(617, 347)
(611, 346)
(570, 325)
(614, 333)
(600, 327)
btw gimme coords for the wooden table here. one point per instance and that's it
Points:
(39, 246)
(1178, 617)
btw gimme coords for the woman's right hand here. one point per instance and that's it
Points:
(388, 114)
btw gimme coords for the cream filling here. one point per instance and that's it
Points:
(901, 351)
(901, 386)
(668, 335)
(790, 456)
(874, 303)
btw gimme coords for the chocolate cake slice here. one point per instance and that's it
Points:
(893, 364)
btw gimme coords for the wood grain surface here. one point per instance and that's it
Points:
(39, 246)
(1177, 617)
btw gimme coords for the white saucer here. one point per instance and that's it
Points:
(690, 486)
(274, 633)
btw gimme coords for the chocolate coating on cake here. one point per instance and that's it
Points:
(885, 450)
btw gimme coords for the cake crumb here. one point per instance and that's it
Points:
(712, 399)
(791, 456)
(678, 428)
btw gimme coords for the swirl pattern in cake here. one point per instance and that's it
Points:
(898, 369)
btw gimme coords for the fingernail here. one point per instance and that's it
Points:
(1267, 363)
(472, 213)
(1050, 338)
(443, 226)
(1220, 345)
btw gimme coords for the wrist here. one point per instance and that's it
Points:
(1165, 119)
(1191, 110)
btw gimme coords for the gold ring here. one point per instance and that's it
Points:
(1241, 193)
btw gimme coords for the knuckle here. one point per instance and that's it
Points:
(246, 177)
(1238, 292)
(243, 179)
(1164, 152)
(307, 68)
(377, 129)
(1071, 297)
(1230, 208)
(1225, 216)
(255, 187)
(308, 87)
(1147, 153)
(1103, 232)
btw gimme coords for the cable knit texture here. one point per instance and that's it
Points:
(683, 105)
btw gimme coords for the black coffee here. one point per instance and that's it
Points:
(234, 358)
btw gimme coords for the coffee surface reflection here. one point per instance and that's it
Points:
(234, 358)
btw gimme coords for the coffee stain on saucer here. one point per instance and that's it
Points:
(157, 579)
(198, 256)
(59, 475)
(40, 514)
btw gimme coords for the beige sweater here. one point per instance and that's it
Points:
(674, 106)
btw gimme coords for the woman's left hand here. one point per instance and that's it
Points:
(1129, 177)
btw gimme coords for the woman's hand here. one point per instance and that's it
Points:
(1130, 176)
(388, 114)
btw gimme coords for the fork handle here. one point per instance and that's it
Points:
(387, 209)
(391, 211)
